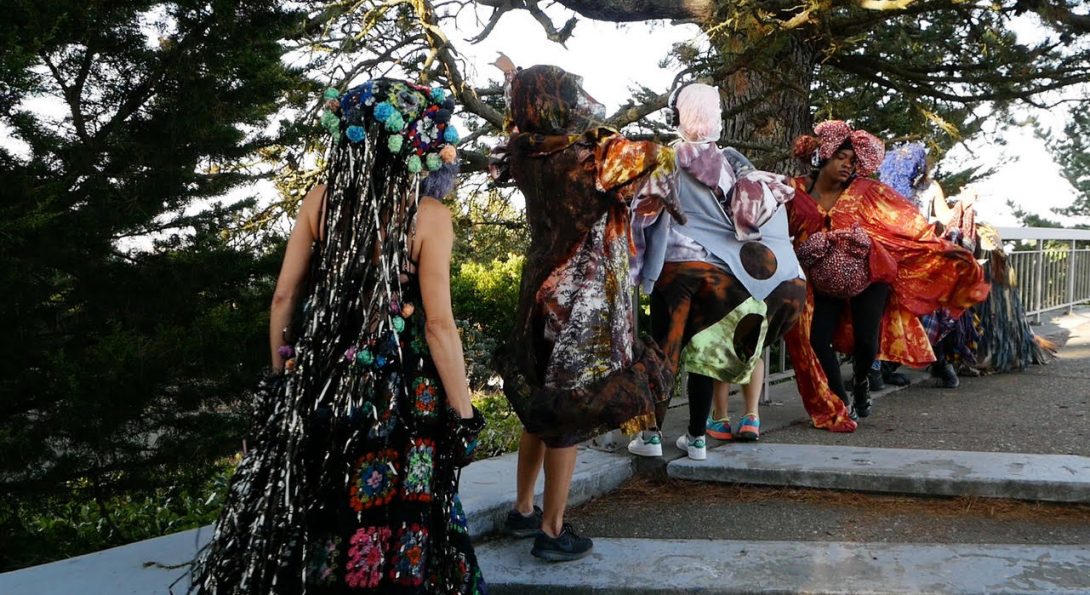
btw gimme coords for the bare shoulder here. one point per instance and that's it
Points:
(310, 211)
(312, 201)
(433, 215)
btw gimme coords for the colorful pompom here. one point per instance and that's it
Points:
(438, 94)
(407, 309)
(395, 143)
(448, 154)
(364, 357)
(330, 119)
(384, 110)
(395, 123)
(350, 354)
(433, 162)
(331, 93)
(397, 323)
(413, 164)
(441, 116)
(450, 135)
(355, 133)
(285, 351)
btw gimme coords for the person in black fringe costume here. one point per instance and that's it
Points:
(351, 484)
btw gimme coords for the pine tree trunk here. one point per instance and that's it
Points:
(767, 104)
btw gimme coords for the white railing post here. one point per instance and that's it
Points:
(766, 385)
(1071, 278)
(1038, 290)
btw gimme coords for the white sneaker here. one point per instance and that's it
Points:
(646, 447)
(695, 446)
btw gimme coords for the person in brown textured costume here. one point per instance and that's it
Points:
(573, 367)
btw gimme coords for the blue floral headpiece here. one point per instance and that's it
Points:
(904, 167)
(414, 120)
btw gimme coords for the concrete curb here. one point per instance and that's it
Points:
(488, 487)
(784, 411)
(1049, 478)
(640, 566)
(149, 567)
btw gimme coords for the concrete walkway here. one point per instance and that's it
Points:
(149, 567)
(651, 567)
(1049, 404)
(1046, 478)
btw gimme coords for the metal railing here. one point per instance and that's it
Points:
(1051, 268)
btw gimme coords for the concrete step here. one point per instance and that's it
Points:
(651, 567)
(1048, 478)
(783, 411)
(488, 486)
(150, 567)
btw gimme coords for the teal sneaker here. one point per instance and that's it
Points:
(749, 429)
(719, 428)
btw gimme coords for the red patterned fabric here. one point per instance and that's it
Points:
(925, 273)
(837, 262)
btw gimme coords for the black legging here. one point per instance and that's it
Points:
(867, 309)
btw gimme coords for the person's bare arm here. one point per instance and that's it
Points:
(433, 242)
(293, 272)
(939, 207)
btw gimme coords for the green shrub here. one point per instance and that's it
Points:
(502, 427)
(484, 298)
(487, 294)
(74, 523)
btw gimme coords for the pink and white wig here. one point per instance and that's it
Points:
(700, 117)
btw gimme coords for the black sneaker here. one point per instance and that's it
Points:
(520, 525)
(563, 548)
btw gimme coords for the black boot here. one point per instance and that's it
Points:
(946, 374)
(861, 396)
(876, 380)
(890, 375)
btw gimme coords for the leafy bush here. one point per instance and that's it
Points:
(502, 427)
(478, 347)
(488, 293)
(484, 297)
(76, 522)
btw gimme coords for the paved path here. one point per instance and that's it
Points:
(623, 566)
(1040, 412)
(150, 567)
(1047, 478)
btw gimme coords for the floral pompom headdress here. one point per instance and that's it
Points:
(904, 168)
(413, 120)
(831, 135)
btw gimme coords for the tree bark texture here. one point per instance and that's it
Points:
(768, 103)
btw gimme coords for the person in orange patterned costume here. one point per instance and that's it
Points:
(909, 272)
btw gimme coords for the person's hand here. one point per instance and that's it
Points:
(504, 63)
